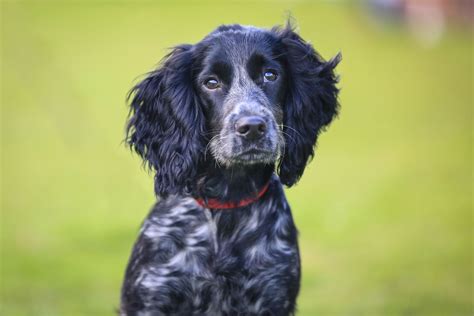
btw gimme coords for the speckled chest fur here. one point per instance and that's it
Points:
(190, 260)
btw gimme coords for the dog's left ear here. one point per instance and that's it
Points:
(310, 105)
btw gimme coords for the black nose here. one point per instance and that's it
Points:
(250, 127)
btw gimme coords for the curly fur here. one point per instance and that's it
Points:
(192, 260)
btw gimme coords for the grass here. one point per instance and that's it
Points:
(384, 210)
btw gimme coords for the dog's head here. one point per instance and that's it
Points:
(242, 96)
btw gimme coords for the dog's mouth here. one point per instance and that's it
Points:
(253, 156)
(254, 152)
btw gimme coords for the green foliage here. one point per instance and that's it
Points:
(384, 210)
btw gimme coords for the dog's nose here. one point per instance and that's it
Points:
(250, 127)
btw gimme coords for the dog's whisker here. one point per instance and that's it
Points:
(292, 129)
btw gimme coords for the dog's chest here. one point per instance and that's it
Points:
(222, 240)
(221, 258)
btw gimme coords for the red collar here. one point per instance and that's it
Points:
(215, 203)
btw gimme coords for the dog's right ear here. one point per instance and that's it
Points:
(166, 123)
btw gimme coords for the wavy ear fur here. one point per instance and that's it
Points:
(311, 102)
(167, 122)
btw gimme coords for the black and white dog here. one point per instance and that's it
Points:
(217, 121)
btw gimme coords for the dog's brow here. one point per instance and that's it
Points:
(221, 68)
(256, 60)
(277, 56)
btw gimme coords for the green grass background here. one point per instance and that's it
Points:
(384, 210)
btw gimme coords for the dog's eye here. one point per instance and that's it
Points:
(270, 75)
(211, 83)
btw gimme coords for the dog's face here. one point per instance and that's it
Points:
(242, 96)
(241, 81)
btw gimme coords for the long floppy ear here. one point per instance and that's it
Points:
(166, 123)
(310, 105)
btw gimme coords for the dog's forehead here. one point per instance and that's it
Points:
(235, 28)
(238, 44)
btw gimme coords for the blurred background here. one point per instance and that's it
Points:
(384, 210)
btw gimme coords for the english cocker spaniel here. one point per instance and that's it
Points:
(224, 124)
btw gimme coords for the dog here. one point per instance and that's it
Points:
(224, 124)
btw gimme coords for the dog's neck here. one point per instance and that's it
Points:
(234, 183)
